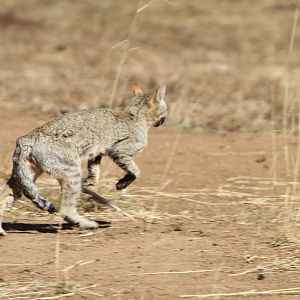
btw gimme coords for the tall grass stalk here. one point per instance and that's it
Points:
(296, 172)
(57, 245)
(292, 206)
(287, 92)
(57, 253)
(125, 53)
(274, 145)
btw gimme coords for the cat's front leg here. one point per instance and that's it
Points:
(125, 162)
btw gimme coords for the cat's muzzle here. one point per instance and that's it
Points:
(159, 122)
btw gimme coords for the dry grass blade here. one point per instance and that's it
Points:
(144, 6)
(41, 291)
(174, 272)
(55, 297)
(236, 153)
(24, 290)
(288, 291)
(91, 293)
(78, 264)
(289, 264)
(92, 233)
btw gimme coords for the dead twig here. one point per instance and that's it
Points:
(105, 201)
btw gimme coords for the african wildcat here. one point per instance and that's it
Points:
(58, 147)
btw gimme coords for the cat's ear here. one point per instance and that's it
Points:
(158, 96)
(136, 89)
(160, 93)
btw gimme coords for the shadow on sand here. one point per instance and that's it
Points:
(43, 228)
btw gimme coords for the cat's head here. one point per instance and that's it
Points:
(154, 105)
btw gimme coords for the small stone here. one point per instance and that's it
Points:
(261, 276)
(260, 159)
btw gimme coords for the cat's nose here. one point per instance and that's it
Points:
(160, 121)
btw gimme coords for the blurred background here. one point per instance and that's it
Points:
(226, 63)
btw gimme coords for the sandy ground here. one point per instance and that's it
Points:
(217, 227)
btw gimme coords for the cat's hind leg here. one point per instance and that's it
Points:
(93, 176)
(71, 191)
(26, 169)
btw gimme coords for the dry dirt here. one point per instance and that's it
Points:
(209, 222)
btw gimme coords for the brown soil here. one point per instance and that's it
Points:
(221, 229)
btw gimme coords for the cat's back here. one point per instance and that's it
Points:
(75, 125)
(76, 122)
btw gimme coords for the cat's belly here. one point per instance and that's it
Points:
(92, 151)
